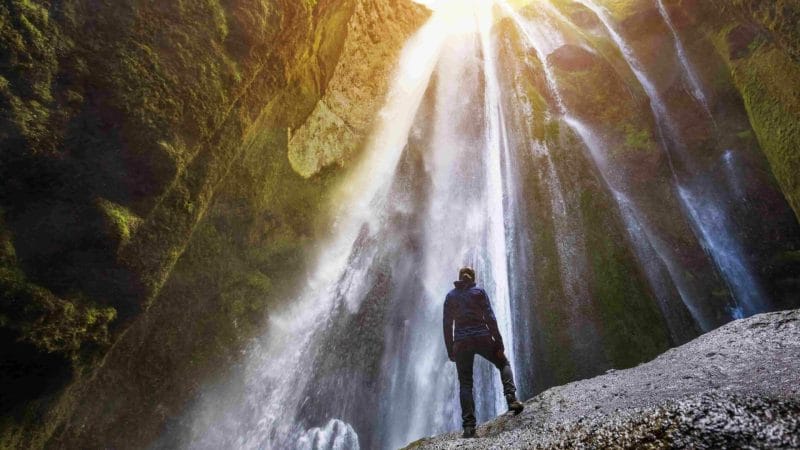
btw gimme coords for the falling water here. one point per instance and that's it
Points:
(706, 207)
(688, 69)
(357, 359)
(643, 235)
(569, 241)
(464, 225)
(265, 413)
(544, 42)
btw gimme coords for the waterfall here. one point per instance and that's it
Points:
(357, 358)
(688, 69)
(465, 224)
(714, 227)
(265, 411)
(569, 243)
(544, 41)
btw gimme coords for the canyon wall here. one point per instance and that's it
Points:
(150, 213)
(166, 167)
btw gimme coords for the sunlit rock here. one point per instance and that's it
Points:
(572, 58)
(341, 119)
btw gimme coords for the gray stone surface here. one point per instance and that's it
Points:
(735, 387)
(344, 116)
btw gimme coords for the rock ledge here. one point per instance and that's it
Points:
(735, 387)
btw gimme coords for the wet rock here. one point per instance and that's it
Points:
(681, 16)
(644, 22)
(739, 406)
(572, 58)
(741, 40)
(584, 18)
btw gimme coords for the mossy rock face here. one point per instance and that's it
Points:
(47, 340)
(778, 19)
(774, 108)
(622, 113)
(134, 128)
(120, 222)
(633, 328)
(578, 323)
(753, 60)
(742, 40)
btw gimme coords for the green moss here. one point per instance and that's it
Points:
(617, 109)
(638, 139)
(768, 83)
(164, 124)
(121, 221)
(632, 326)
(778, 18)
(745, 135)
(767, 80)
(550, 312)
(29, 66)
(52, 324)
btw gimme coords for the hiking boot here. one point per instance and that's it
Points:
(514, 405)
(469, 432)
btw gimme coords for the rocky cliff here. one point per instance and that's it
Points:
(150, 214)
(621, 74)
(735, 387)
(165, 169)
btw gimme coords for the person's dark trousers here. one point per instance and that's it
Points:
(465, 351)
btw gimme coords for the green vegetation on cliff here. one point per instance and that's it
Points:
(166, 166)
(767, 78)
(147, 147)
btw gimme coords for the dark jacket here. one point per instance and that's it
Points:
(468, 313)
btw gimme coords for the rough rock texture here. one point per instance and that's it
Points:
(148, 212)
(150, 216)
(760, 42)
(335, 129)
(734, 387)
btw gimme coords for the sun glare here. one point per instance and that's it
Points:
(436, 5)
(460, 15)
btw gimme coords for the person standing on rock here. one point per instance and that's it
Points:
(470, 329)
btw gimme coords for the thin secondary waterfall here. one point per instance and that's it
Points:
(544, 41)
(688, 69)
(569, 242)
(357, 359)
(713, 226)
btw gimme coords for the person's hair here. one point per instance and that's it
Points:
(466, 274)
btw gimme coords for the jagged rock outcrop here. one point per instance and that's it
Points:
(735, 387)
(335, 129)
